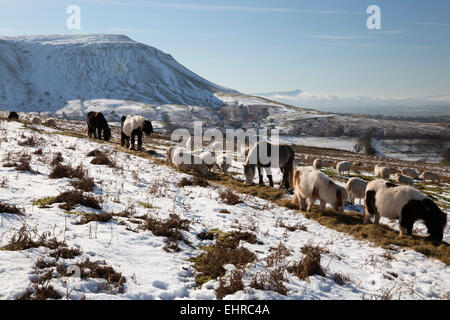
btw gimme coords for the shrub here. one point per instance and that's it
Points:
(10, 209)
(85, 184)
(72, 198)
(310, 263)
(61, 171)
(229, 197)
(195, 181)
(170, 228)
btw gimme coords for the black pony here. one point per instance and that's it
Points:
(96, 123)
(13, 116)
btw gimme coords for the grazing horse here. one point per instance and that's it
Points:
(278, 156)
(132, 126)
(96, 122)
(13, 116)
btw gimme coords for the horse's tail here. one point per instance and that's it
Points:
(291, 168)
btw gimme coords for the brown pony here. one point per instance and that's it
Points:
(278, 156)
(96, 122)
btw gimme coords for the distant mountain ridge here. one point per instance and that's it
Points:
(389, 106)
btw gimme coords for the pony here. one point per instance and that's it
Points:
(132, 126)
(13, 116)
(405, 203)
(278, 156)
(96, 122)
(312, 184)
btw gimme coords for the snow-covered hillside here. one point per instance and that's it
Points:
(133, 190)
(43, 73)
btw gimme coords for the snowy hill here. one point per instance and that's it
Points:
(44, 73)
(136, 192)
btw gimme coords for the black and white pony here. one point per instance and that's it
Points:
(132, 126)
(405, 203)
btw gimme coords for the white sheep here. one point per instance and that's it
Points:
(426, 175)
(410, 173)
(356, 188)
(185, 160)
(189, 144)
(343, 166)
(169, 153)
(314, 185)
(381, 172)
(405, 203)
(223, 162)
(318, 164)
(209, 158)
(404, 179)
(50, 122)
(36, 121)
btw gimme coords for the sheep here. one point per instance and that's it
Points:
(50, 123)
(410, 173)
(404, 179)
(311, 185)
(309, 158)
(318, 164)
(197, 152)
(356, 188)
(223, 162)
(185, 160)
(36, 121)
(189, 144)
(405, 203)
(169, 153)
(426, 175)
(343, 166)
(381, 172)
(209, 158)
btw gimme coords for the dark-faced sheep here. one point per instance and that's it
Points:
(97, 125)
(132, 126)
(405, 203)
(311, 185)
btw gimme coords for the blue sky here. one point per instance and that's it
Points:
(262, 46)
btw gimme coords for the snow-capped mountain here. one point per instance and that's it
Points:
(45, 73)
